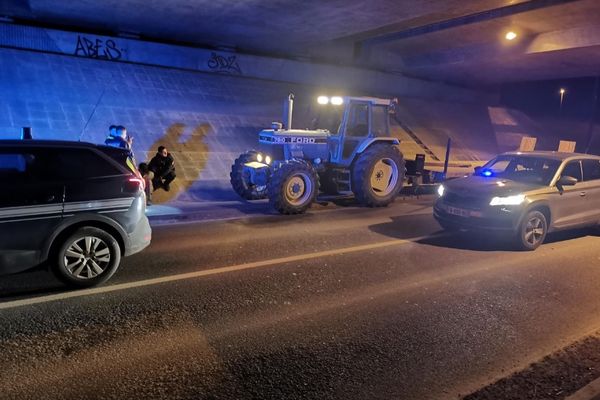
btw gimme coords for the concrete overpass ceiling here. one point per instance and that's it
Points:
(554, 42)
(556, 38)
(284, 24)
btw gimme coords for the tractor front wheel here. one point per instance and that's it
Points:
(293, 187)
(378, 175)
(240, 178)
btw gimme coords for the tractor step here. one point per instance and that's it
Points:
(342, 179)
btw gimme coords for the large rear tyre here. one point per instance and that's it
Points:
(532, 231)
(240, 178)
(89, 257)
(293, 187)
(378, 175)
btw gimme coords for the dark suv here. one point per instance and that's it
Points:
(525, 195)
(76, 207)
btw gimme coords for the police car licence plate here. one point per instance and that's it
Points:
(458, 211)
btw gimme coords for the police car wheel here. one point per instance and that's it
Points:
(88, 257)
(532, 231)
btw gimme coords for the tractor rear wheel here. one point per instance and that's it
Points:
(240, 178)
(293, 187)
(378, 175)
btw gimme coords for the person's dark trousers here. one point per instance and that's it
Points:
(158, 182)
(168, 179)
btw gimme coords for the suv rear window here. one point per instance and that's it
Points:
(83, 163)
(52, 164)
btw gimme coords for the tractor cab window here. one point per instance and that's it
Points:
(380, 121)
(328, 117)
(358, 120)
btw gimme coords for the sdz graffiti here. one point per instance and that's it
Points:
(228, 65)
(100, 49)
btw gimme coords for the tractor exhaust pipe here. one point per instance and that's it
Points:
(288, 110)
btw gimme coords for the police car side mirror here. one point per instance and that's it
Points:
(566, 181)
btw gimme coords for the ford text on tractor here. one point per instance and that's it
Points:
(354, 154)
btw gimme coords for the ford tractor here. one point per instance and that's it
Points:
(354, 155)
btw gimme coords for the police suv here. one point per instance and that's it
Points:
(76, 207)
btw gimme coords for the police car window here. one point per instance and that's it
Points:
(82, 163)
(498, 166)
(12, 163)
(523, 169)
(591, 170)
(21, 166)
(573, 169)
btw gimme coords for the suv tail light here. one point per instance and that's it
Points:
(133, 184)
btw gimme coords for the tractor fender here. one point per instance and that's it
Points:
(367, 143)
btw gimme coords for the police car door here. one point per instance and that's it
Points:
(31, 206)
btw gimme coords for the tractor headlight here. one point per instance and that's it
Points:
(323, 100)
(267, 160)
(441, 190)
(337, 100)
(259, 157)
(508, 201)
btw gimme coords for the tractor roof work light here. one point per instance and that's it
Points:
(323, 100)
(510, 36)
(337, 100)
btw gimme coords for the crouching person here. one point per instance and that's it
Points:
(163, 167)
(147, 176)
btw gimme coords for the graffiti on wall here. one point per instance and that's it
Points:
(224, 64)
(190, 155)
(98, 49)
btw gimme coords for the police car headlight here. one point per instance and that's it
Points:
(267, 160)
(441, 190)
(508, 201)
(259, 157)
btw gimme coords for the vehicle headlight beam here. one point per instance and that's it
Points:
(441, 190)
(508, 201)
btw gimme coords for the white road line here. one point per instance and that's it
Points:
(214, 271)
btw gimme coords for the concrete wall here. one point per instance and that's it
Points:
(205, 120)
(118, 49)
(205, 116)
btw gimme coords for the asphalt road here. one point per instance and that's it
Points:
(344, 303)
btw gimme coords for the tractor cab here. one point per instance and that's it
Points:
(363, 118)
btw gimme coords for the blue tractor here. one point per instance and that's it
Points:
(355, 155)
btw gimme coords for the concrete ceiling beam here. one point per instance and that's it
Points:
(567, 39)
(500, 12)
